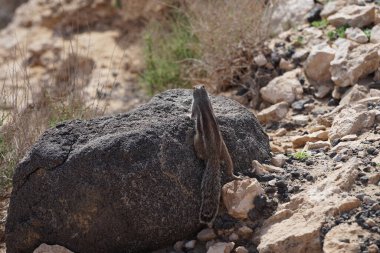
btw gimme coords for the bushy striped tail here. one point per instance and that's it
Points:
(210, 188)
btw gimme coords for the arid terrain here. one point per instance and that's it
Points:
(309, 71)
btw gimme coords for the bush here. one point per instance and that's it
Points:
(228, 33)
(170, 48)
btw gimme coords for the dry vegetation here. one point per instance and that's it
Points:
(35, 109)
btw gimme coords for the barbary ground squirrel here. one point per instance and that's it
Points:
(210, 147)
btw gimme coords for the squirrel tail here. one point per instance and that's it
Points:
(210, 188)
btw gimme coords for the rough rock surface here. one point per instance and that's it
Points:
(349, 66)
(354, 16)
(344, 238)
(351, 120)
(124, 183)
(295, 227)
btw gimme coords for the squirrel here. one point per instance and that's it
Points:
(210, 147)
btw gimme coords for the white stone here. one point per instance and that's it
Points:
(279, 160)
(241, 249)
(317, 65)
(356, 34)
(354, 16)
(273, 113)
(351, 120)
(238, 196)
(221, 247)
(355, 93)
(301, 119)
(283, 88)
(349, 66)
(260, 60)
(190, 244)
(206, 234)
(375, 34)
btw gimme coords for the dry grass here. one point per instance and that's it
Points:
(228, 33)
(27, 111)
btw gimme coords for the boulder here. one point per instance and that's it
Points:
(283, 88)
(354, 16)
(317, 66)
(349, 66)
(123, 183)
(332, 7)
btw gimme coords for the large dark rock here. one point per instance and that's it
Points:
(124, 183)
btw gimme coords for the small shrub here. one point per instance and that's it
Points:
(168, 53)
(339, 32)
(323, 23)
(301, 155)
(367, 32)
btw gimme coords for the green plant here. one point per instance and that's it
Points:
(339, 32)
(168, 53)
(323, 23)
(367, 32)
(301, 155)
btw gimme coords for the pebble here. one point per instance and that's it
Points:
(178, 246)
(190, 244)
(233, 237)
(206, 234)
(241, 249)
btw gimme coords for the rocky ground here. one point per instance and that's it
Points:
(316, 90)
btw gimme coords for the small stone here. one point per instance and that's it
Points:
(375, 34)
(356, 34)
(273, 113)
(353, 16)
(260, 60)
(370, 222)
(279, 160)
(178, 246)
(283, 88)
(238, 194)
(280, 132)
(373, 248)
(367, 200)
(317, 65)
(350, 137)
(241, 249)
(317, 145)
(190, 244)
(221, 247)
(206, 234)
(233, 237)
(300, 119)
(245, 231)
(286, 65)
